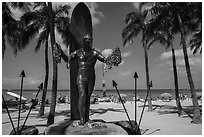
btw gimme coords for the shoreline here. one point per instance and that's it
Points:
(162, 121)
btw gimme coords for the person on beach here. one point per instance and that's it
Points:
(86, 57)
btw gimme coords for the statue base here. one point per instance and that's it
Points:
(98, 128)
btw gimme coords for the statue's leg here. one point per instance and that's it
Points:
(91, 85)
(82, 100)
(87, 108)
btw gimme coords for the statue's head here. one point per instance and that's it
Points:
(87, 42)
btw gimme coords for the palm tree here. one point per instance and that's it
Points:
(9, 29)
(39, 19)
(160, 29)
(184, 20)
(55, 66)
(135, 24)
(181, 16)
(165, 38)
(28, 27)
(42, 106)
(12, 28)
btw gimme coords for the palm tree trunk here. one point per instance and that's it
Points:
(3, 43)
(55, 66)
(196, 112)
(178, 104)
(147, 77)
(42, 107)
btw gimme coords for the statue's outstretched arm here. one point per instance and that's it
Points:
(100, 57)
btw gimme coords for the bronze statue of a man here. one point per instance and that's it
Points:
(86, 57)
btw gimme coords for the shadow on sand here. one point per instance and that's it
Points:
(102, 111)
(168, 109)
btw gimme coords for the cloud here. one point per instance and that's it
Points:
(136, 5)
(178, 53)
(96, 15)
(180, 70)
(8, 81)
(126, 54)
(195, 61)
(33, 81)
(106, 52)
(126, 73)
(93, 8)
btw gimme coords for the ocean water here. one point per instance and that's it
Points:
(29, 94)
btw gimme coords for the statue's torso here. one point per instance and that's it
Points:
(86, 61)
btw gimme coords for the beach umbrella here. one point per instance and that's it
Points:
(165, 95)
(199, 94)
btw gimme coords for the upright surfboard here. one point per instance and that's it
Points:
(81, 24)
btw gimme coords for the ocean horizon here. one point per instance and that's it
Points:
(129, 93)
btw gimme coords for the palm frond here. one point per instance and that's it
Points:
(158, 22)
(41, 39)
(6, 14)
(14, 39)
(157, 37)
(62, 23)
(135, 24)
(28, 33)
(144, 5)
(24, 6)
(190, 27)
(196, 42)
(133, 17)
(32, 16)
(62, 9)
(196, 47)
(39, 4)
(129, 33)
(63, 26)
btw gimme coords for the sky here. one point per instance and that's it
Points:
(108, 22)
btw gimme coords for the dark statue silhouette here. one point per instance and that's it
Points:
(86, 57)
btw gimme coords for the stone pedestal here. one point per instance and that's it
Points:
(98, 128)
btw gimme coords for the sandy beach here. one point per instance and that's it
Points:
(162, 121)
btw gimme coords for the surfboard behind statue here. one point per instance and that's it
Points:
(81, 24)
